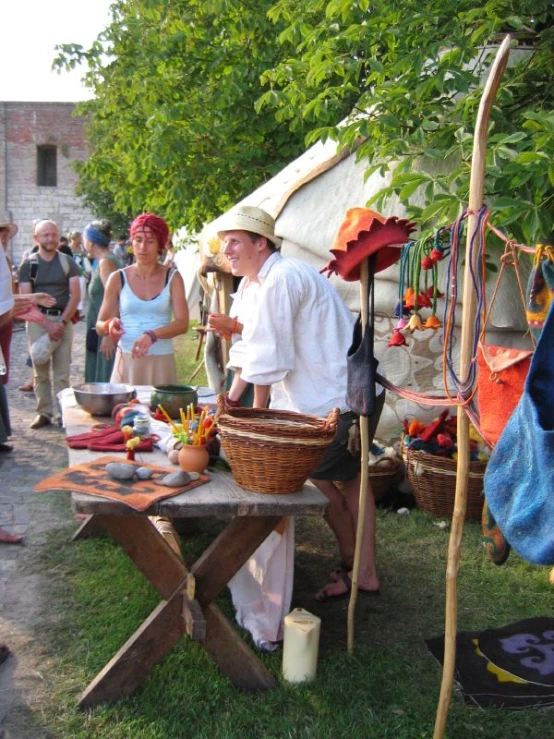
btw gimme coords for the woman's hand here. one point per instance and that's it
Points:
(115, 329)
(141, 347)
(107, 347)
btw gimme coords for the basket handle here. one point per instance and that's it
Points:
(332, 420)
(221, 406)
(396, 463)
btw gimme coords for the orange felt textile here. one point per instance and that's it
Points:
(501, 373)
(92, 478)
(362, 233)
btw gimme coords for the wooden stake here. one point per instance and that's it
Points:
(476, 189)
(364, 481)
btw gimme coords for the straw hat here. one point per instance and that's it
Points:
(12, 228)
(362, 233)
(248, 218)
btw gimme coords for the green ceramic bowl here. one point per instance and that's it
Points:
(173, 397)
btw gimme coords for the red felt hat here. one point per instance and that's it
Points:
(362, 233)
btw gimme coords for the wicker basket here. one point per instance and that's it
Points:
(273, 451)
(433, 483)
(384, 475)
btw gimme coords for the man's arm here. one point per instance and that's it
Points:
(238, 386)
(74, 298)
(261, 396)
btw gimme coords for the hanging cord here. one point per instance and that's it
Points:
(510, 258)
(403, 278)
(502, 236)
(464, 388)
(463, 391)
(463, 398)
(119, 363)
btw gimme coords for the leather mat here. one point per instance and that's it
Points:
(91, 478)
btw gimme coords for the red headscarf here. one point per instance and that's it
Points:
(155, 224)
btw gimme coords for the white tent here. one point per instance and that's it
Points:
(309, 199)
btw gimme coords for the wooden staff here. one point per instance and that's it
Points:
(364, 480)
(476, 189)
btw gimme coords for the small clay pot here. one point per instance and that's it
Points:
(193, 458)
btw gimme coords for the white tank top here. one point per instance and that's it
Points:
(140, 315)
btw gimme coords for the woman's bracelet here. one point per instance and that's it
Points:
(152, 335)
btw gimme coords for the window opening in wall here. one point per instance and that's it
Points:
(47, 166)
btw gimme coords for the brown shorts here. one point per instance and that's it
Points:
(339, 463)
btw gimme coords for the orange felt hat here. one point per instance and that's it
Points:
(362, 233)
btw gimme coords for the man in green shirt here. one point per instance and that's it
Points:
(56, 274)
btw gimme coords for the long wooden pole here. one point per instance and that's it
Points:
(364, 477)
(476, 190)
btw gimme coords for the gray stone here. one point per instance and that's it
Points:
(144, 473)
(177, 479)
(173, 456)
(121, 471)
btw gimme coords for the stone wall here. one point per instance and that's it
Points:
(23, 128)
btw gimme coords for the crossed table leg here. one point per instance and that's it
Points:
(187, 605)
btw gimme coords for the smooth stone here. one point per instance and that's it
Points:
(120, 471)
(173, 456)
(144, 473)
(177, 479)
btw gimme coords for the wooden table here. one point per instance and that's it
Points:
(187, 594)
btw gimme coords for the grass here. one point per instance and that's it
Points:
(185, 351)
(388, 689)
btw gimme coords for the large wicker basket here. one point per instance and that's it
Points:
(384, 476)
(273, 451)
(433, 483)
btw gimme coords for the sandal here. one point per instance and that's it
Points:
(323, 596)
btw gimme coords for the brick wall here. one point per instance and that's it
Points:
(24, 127)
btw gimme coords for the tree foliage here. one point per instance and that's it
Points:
(173, 127)
(199, 101)
(418, 67)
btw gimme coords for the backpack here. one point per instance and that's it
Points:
(33, 269)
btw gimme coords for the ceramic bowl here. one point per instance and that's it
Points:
(173, 397)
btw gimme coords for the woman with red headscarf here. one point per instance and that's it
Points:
(144, 307)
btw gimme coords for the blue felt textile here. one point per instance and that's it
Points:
(519, 480)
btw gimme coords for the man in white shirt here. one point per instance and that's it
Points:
(295, 335)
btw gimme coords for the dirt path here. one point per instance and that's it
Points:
(35, 455)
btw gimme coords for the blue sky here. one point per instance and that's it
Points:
(31, 29)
